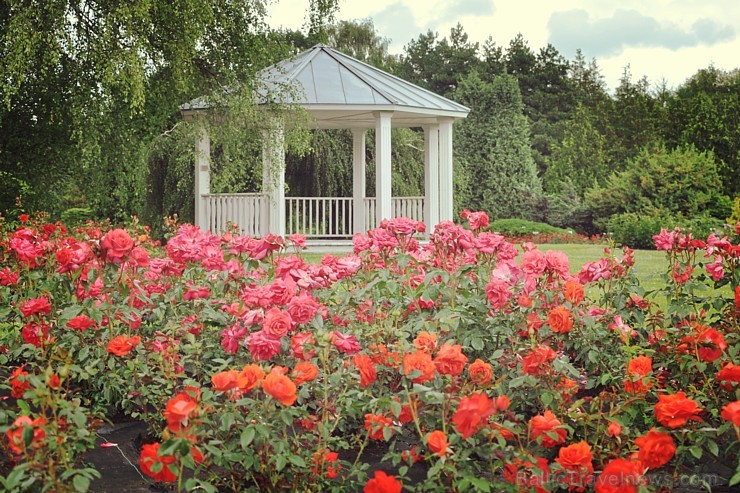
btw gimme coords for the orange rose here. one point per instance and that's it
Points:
(420, 361)
(576, 459)
(548, 427)
(560, 320)
(122, 345)
(480, 372)
(303, 372)
(366, 367)
(224, 380)
(656, 449)
(731, 412)
(426, 342)
(280, 387)
(675, 410)
(249, 378)
(437, 442)
(450, 360)
(642, 365)
(574, 292)
(637, 369)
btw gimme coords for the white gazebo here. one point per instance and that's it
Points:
(339, 92)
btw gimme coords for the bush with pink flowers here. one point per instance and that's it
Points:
(464, 364)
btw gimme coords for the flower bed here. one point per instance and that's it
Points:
(466, 365)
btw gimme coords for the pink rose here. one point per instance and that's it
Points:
(116, 245)
(276, 323)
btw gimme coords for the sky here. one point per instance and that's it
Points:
(663, 40)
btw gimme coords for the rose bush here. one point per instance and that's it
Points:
(467, 363)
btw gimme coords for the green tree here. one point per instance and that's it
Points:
(704, 112)
(98, 82)
(634, 120)
(580, 158)
(493, 147)
(439, 65)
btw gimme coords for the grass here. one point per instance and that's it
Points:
(648, 266)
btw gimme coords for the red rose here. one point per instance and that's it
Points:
(375, 424)
(382, 483)
(150, 456)
(122, 345)
(262, 346)
(674, 410)
(116, 245)
(179, 410)
(36, 306)
(574, 292)
(15, 434)
(549, 428)
(731, 412)
(472, 414)
(620, 476)
(614, 429)
(81, 323)
(656, 449)
(536, 362)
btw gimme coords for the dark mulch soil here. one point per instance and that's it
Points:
(119, 466)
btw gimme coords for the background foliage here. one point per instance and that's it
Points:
(93, 89)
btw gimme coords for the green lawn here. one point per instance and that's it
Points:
(649, 264)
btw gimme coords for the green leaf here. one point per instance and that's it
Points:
(297, 460)
(477, 343)
(81, 483)
(280, 462)
(247, 437)
(696, 451)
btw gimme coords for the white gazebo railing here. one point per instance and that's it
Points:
(315, 217)
(319, 217)
(248, 211)
(411, 207)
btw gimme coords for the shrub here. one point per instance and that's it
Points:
(520, 227)
(76, 215)
(636, 230)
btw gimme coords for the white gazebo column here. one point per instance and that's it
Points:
(273, 176)
(445, 169)
(383, 204)
(202, 176)
(431, 177)
(358, 180)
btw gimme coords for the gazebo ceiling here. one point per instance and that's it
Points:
(342, 92)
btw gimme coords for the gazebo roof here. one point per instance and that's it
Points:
(342, 92)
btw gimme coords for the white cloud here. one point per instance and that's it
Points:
(699, 33)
